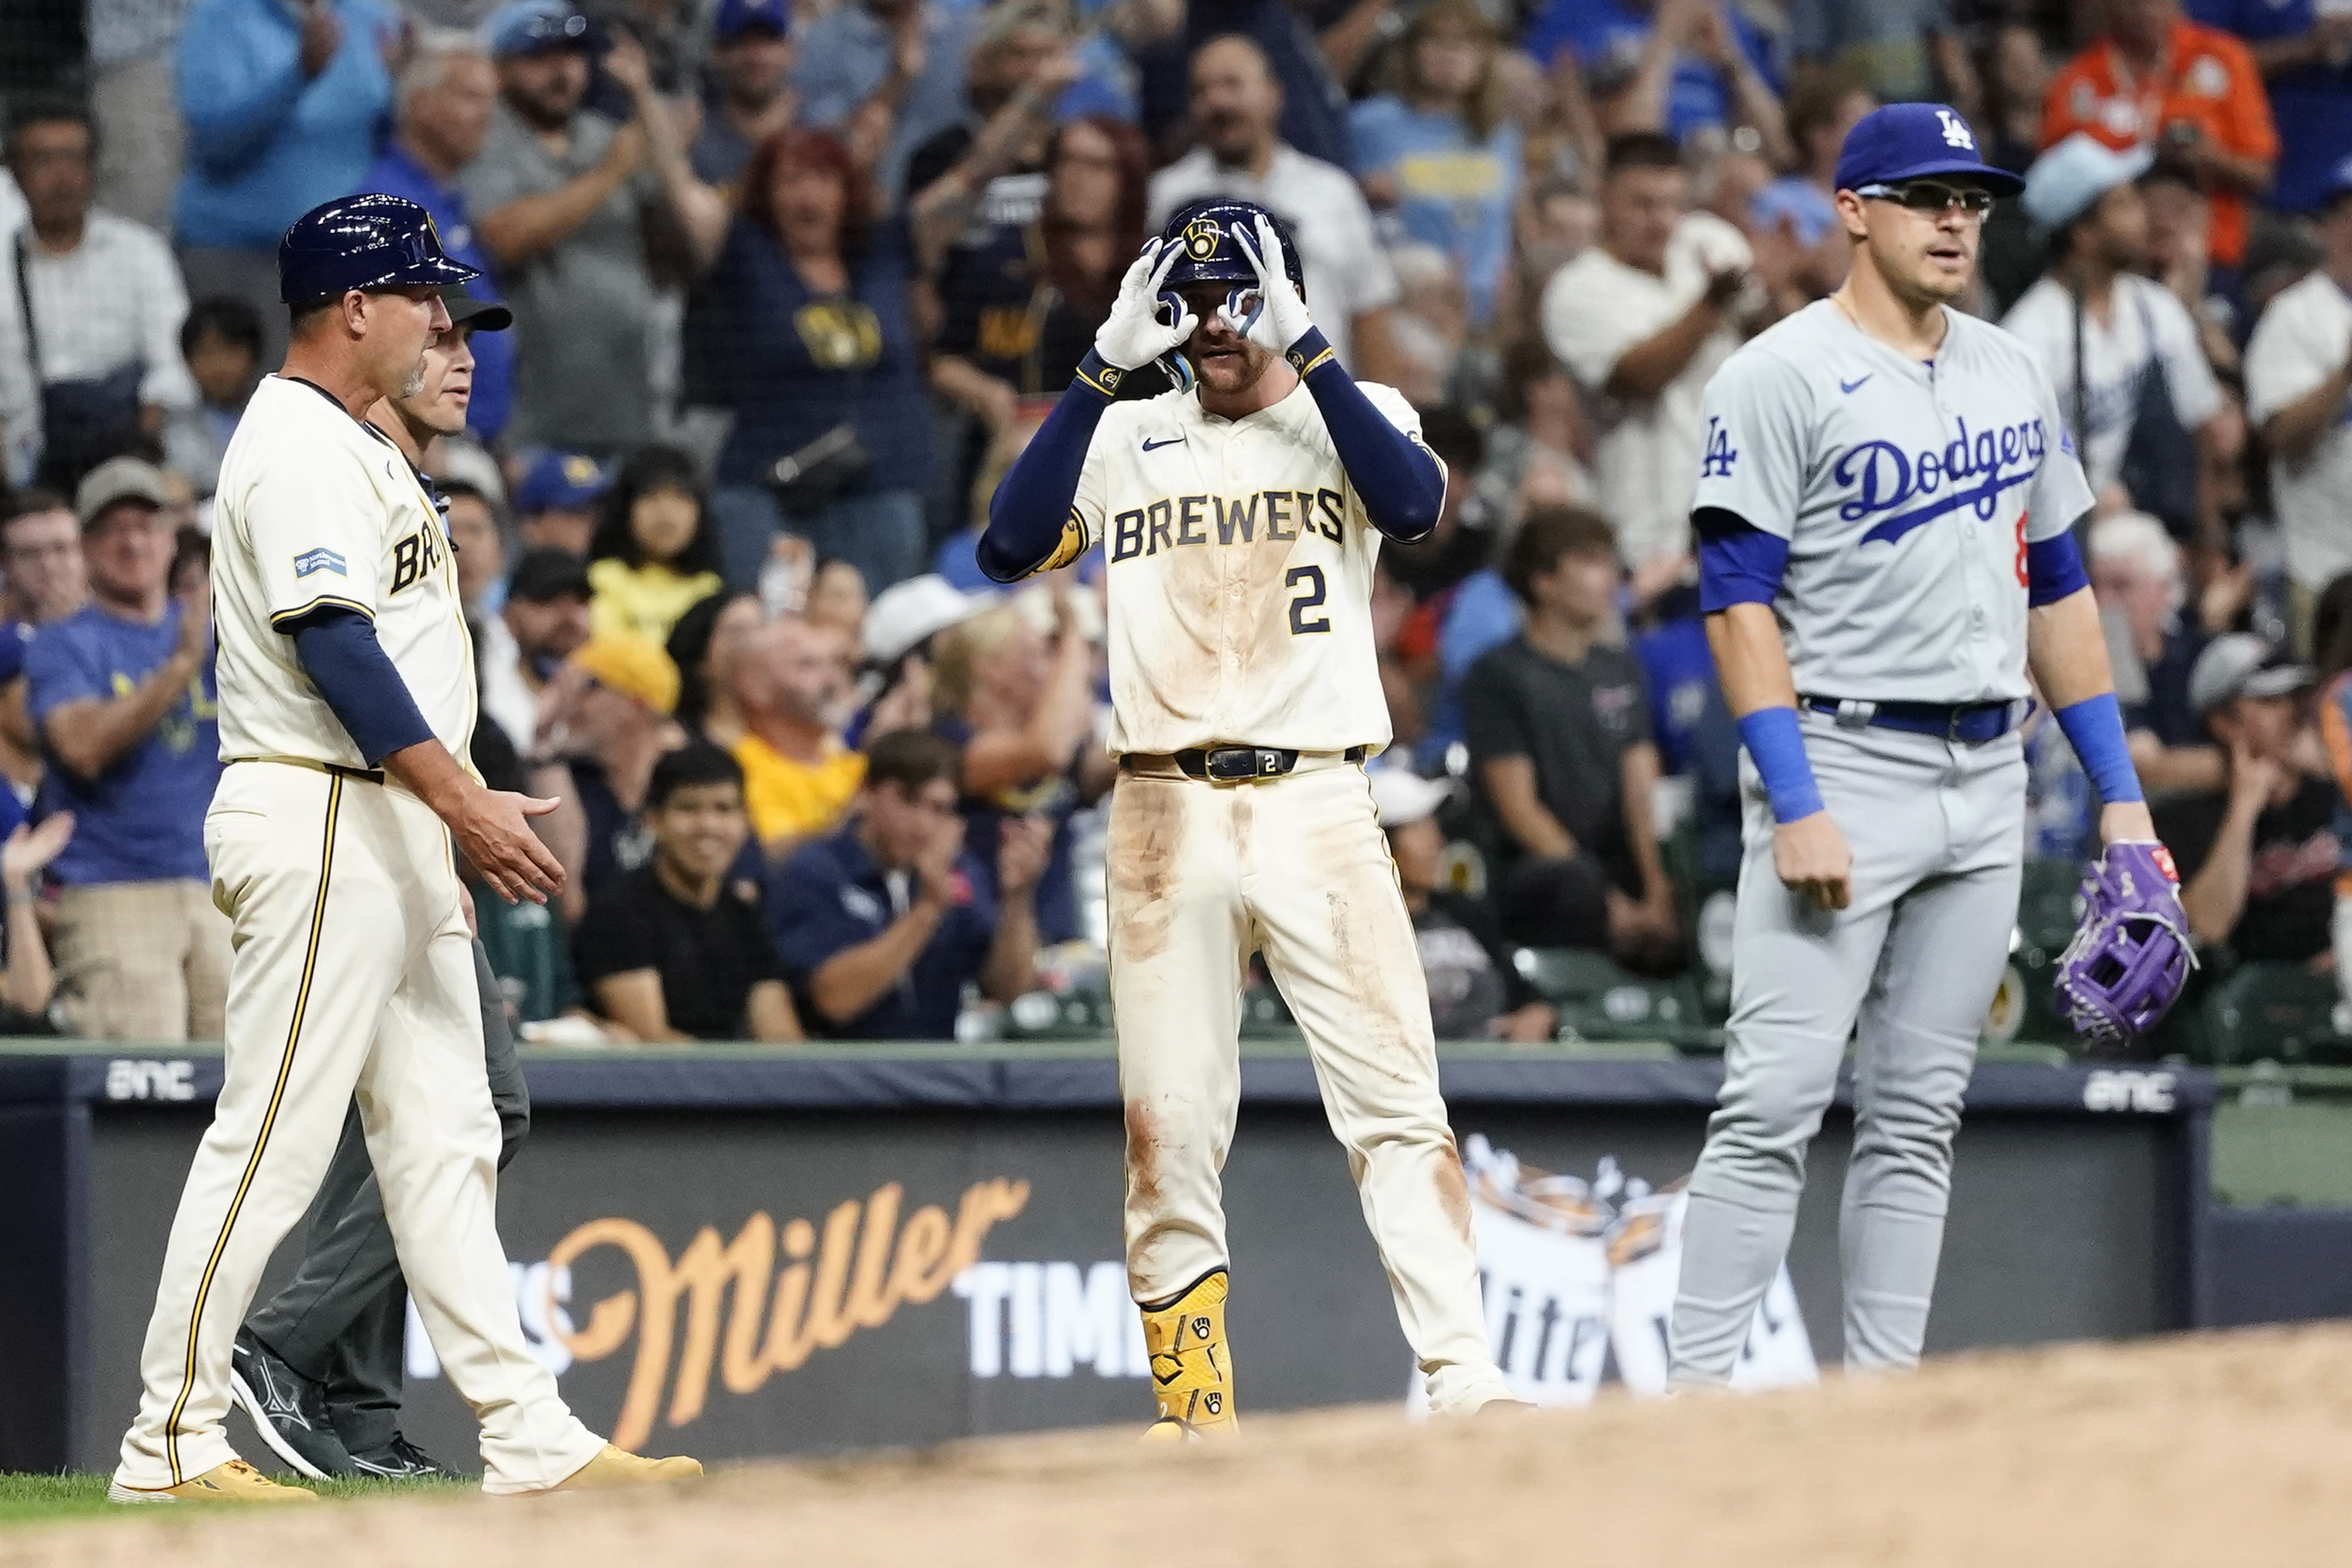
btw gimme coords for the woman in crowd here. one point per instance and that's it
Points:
(800, 329)
(1023, 306)
(700, 646)
(1020, 705)
(656, 552)
(1436, 148)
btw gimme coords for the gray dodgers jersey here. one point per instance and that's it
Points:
(1907, 493)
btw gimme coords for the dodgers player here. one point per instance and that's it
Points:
(346, 704)
(1242, 518)
(1883, 507)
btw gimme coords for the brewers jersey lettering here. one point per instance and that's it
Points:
(1240, 571)
(315, 508)
(1907, 493)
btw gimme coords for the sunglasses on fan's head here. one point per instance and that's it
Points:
(1932, 196)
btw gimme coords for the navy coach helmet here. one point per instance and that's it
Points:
(1204, 229)
(371, 241)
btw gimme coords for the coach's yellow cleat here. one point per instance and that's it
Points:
(1191, 1367)
(618, 1467)
(235, 1481)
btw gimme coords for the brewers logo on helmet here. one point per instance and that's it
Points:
(1205, 229)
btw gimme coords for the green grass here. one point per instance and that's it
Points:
(43, 1499)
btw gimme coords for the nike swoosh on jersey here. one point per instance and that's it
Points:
(1171, 441)
(1857, 381)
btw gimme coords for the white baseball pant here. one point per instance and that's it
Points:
(352, 973)
(1201, 875)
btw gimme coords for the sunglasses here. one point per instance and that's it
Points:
(1932, 196)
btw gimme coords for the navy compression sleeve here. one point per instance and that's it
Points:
(2054, 570)
(1029, 518)
(1400, 481)
(339, 652)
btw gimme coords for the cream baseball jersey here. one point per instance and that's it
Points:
(315, 508)
(1239, 565)
(1907, 493)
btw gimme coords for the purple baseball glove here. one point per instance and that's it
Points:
(2126, 966)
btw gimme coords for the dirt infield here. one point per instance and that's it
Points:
(2193, 1452)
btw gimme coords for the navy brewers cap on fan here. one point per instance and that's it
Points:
(371, 241)
(1916, 142)
(737, 18)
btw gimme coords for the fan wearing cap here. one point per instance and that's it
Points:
(1883, 506)
(2257, 856)
(346, 710)
(557, 505)
(2097, 324)
(606, 719)
(120, 695)
(1473, 991)
(545, 617)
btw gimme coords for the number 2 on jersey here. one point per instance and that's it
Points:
(1301, 623)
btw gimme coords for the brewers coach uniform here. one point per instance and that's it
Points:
(352, 970)
(1240, 548)
(1904, 517)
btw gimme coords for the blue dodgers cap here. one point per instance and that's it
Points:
(1917, 141)
(563, 479)
(371, 241)
(527, 26)
(737, 18)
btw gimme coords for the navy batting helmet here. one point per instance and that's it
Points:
(372, 241)
(1205, 230)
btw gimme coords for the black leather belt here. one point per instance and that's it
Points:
(1229, 764)
(1972, 723)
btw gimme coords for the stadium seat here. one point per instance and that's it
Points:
(1598, 1000)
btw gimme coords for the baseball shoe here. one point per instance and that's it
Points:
(1191, 1369)
(235, 1481)
(400, 1460)
(289, 1410)
(618, 1467)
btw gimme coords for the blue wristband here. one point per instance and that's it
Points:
(2094, 727)
(1773, 739)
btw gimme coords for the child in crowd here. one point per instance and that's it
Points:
(221, 341)
(655, 552)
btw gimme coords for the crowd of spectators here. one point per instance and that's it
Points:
(789, 282)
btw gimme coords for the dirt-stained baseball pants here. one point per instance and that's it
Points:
(1202, 875)
(352, 973)
(1937, 833)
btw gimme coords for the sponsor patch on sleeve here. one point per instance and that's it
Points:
(319, 559)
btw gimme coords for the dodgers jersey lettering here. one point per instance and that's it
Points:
(1907, 493)
(1240, 567)
(315, 508)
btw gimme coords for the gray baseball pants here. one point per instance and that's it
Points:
(1937, 829)
(341, 1321)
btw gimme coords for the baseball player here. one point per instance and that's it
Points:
(346, 705)
(1882, 504)
(1242, 516)
(318, 1366)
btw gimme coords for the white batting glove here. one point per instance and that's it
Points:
(1134, 335)
(1280, 319)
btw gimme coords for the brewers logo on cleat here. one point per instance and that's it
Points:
(1190, 1364)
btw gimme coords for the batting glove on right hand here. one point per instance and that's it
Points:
(1280, 317)
(1135, 334)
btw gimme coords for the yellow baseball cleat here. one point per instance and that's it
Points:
(235, 1481)
(613, 1468)
(1191, 1367)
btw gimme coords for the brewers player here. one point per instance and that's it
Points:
(1242, 518)
(1883, 505)
(346, 703)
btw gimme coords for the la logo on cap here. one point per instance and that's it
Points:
(1956, 131)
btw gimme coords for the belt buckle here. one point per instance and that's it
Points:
(1231, 765)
